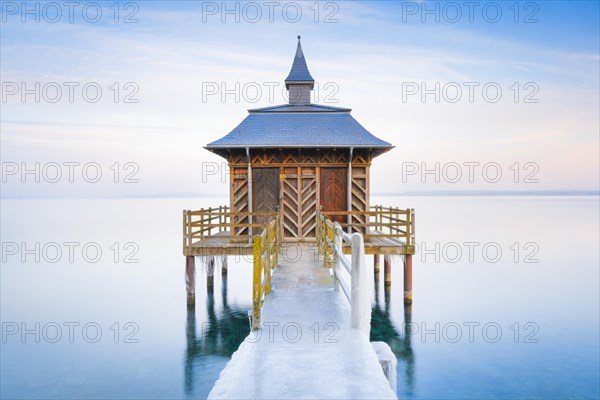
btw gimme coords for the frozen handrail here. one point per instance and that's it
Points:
(330, 236)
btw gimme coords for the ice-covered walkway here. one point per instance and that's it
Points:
(305, 348)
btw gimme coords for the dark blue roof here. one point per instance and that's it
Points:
(299, 72)
(299, 126)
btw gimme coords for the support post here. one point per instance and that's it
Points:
(224, 265)
(387, 270)
(408, 279)
(210, 275)
(376, 263)
(190, 279)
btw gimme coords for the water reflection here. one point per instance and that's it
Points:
(220, 335)
(383, 330)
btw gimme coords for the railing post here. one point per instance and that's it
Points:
(360, 304)
(267, 264)
(220, 218)
(328, 251)
(256, 285)
(189, 228)
(275, 242)
(337, 246)
(412, 226)
(184, 231)
(201, 230)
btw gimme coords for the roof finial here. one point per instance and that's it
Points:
(298, 37)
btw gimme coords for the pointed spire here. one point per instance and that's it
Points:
(299, 73)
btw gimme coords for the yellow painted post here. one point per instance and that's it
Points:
(267, 264)
(328, 252)
(275, 244)
(256, 285)
(317, 234)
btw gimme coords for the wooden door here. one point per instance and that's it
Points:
(265, 192)
(334, 192)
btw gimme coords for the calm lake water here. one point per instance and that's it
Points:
(506, 301)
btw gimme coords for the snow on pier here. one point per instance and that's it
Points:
(305, 347)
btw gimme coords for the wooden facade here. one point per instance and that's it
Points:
(296, 183)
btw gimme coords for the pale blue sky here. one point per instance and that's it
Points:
(370, 54)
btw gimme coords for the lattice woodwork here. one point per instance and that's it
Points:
(333, 157)
(266, 157)
(361, 157)
(360, 193)
(237, 158)
(291, 157)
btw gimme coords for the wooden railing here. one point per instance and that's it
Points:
(380, 222)
(267, 247)
(206, 222)
(329, 244)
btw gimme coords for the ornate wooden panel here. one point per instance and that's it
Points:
(289, 203)
(265, 192)
(334, 191)
(239, 196)
(308, 201)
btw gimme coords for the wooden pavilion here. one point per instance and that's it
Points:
(301, 158)
(299, 164)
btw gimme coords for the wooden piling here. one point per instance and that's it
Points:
(376, 263)
(387, 270)
(190, 279)
(224, 265)
(408, 279)
(210, 275)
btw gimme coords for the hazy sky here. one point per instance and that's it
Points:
(541, 130)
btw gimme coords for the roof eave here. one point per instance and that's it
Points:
(306, 82)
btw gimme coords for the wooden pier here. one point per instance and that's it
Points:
(333, 291)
